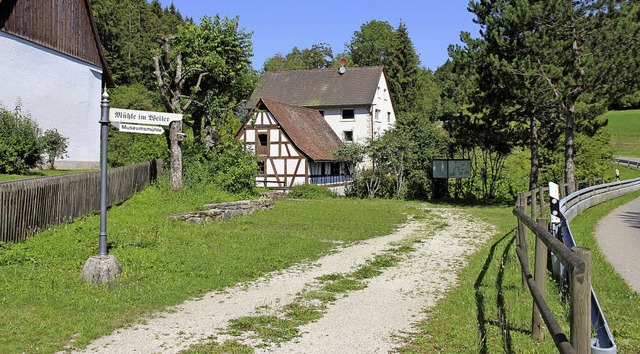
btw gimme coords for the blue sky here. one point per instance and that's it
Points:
(279, 25)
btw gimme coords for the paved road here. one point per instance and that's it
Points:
(618, 235)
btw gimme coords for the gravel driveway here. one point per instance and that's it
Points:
(375, 319)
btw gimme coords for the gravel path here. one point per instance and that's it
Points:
(372, 320)
(618, 235)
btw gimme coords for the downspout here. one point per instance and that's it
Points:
(371, 112)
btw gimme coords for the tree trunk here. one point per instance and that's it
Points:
(535, 160)
(569, 148)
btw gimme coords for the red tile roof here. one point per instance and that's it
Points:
(306, 128)
(320, 87)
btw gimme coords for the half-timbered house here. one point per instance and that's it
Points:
(51, 61)
(294, 144)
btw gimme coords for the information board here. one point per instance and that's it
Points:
(451, 168)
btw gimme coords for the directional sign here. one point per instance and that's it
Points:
(142, 117)
(142, 129)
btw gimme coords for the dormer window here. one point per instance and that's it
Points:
(348, 114)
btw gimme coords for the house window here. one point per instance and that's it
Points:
(348, 135)
(335, 168)
(388, 117)
(348, 114)
(377, 115)
(262, 148)
(321, 112)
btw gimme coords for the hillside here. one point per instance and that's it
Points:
(625, 132)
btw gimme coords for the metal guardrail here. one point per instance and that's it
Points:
(628, 162)
(570, 207)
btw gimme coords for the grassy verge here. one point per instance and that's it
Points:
(46, 307)
(625, 132)
(489, 311)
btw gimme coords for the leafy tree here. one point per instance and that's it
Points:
(54, 145)
(206, 64)
(554, 64)
(370, 46)
(317, 57)
(352, 155)
(219, 51)
(20, 148)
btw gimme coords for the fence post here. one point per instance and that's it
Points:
(522, 235)
(540, 276)
(534, 203)
(581, 304)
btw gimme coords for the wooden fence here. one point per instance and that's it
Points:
(32, 205)
(579, 269)
(585, 311)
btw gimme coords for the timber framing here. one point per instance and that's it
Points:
(289, 141)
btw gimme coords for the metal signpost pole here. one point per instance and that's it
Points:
(103, 268)
(104, 136)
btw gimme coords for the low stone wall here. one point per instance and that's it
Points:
(225, 211)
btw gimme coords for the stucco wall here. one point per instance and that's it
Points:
(382, 102)
(59, 91)
(361, 125)
(358, 125)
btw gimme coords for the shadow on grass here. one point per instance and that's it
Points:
(502, 323)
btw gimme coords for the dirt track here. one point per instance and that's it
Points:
(376, 319)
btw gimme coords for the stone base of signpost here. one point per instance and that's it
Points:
(101, 269)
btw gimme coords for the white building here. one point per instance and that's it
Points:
(51, 60)
(356, 103)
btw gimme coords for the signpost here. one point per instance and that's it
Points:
(142, 117)
(104, 267)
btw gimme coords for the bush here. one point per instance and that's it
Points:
(54, 145)
(20, 148)
(310, 191)
(226, 166)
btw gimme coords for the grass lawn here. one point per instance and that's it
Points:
(37, 174)
(625, 132)
(45, 306)
(490, 311)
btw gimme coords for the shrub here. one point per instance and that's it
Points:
(226, 166)
(54, 145)
(310, 191)
(20, 148)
